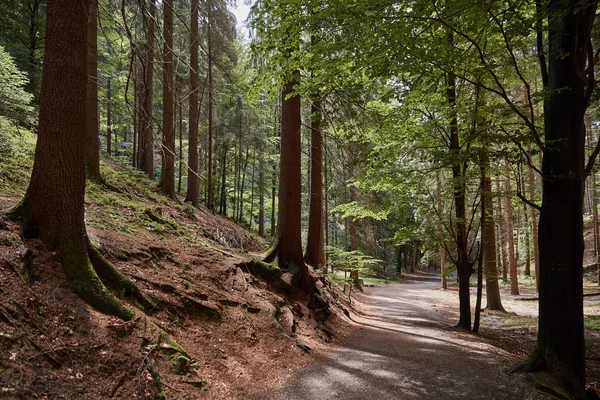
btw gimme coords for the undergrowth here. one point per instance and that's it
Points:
(17, 147)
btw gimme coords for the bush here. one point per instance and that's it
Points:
(14, 100)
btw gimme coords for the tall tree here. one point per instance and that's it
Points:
(463, 265)
(168, 121)
(314, 242)
(568, 83)
(492, 288)
(209, 145)
(53, 206)
(146, 146)
(192, 193)
(514, 280)
(92, 144)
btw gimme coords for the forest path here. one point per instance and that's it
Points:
(404, 350)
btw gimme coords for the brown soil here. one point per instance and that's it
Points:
(236, 335)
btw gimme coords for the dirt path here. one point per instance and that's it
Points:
(403, 350)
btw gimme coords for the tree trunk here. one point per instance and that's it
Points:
(464, 267)
(147, 134)
(92, 145)
(209, 174)
(314, 244)
(326, 200)
(180, 169)
(192, 191)
(502, 235)
(560, 346)
(527, 239)
(53, 206)
(108, 118)
(514, 279)
(290, 190)
(223, 202)
(273, 197)
(261, 191)
(442, 250)
(489, 243)
(168, 121)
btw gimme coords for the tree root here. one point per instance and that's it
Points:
(151, 367)
(271, 253)
(117, 280)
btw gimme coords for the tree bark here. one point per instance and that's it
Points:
(209, 174)
(108, 118)
(53, 206)
(314, 244)
(442, 250)
(492, 290)
(464, 267)
(534, 221)
(514, 279)
(168, 125)
(560, 346)
(192, 192)
(147, 134)
(290, 190)
(92, 145)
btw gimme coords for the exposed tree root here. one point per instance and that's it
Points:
(560, 387)
(151, 367)
(271, 254)
(112, 277)
(85, 281)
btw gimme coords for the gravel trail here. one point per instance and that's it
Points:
(402, 350)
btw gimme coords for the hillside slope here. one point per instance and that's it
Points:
(218, 332)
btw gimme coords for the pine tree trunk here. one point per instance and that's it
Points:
(136, 110)
(193, 189)
(108, 118)
(290, 190)
(180, 169)
(314, 243)
(168, 120)
(92, 145)
(147, 138)
(209, 174)
(53, 207)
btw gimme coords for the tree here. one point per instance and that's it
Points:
(494, 301)
(568, 83)
(514, 279)
(210, 61)
(92, 144)
(53, 206)
(146, 140)
(289, 252)
(192, 194)
(14, 100)
(314, 242)
(168, 122)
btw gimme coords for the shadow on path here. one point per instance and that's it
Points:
(403, 351)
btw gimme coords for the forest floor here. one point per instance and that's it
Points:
(218, 332)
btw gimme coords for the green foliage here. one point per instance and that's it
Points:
(14, 100)
(350, 260)
(17, 146)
